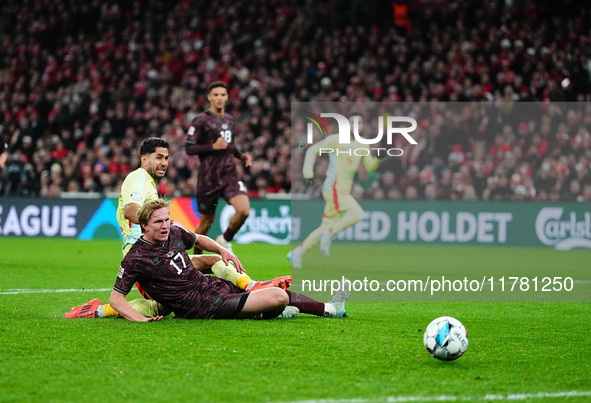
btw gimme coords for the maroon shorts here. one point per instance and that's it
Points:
(231, 306)
(207, 203)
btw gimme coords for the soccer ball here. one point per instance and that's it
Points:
(446, 338)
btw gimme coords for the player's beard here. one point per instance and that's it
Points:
(152, 170)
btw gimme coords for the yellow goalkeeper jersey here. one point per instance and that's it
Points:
(138, 187)
(342, 165)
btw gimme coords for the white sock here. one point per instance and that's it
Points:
(329, 309)
(100, 311)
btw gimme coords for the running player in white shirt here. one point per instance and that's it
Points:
(341, 209)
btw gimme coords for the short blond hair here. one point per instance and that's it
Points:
(147, 210)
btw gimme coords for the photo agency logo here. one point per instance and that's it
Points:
(350, 131)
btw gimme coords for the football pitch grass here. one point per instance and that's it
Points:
(525, 351)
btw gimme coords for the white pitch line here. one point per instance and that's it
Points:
(540, 395)
(16, 291)
(448, 398)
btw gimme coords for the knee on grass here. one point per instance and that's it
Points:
(277, 300)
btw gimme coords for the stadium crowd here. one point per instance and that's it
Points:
(82, 83)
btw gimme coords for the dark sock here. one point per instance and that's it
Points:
(305, 304)
(229, 234)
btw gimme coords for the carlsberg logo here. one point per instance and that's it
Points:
(563, 234)
(261, 226)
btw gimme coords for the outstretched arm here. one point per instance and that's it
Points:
(371, 163)
(312, 152)
(120, 304)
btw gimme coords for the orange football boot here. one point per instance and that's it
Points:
(87, 310)
(282, 282)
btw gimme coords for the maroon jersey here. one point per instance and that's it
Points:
(218, 167)
(166, 273)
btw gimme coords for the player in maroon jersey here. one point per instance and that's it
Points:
(212, 137)
(159, 262)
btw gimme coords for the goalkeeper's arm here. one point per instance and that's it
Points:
(312, 152)
(371, 163)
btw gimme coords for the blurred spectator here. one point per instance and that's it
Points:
(82, 83)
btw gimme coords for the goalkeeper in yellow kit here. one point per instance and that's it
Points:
(341, 209)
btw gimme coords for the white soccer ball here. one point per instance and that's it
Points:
(446, 338)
